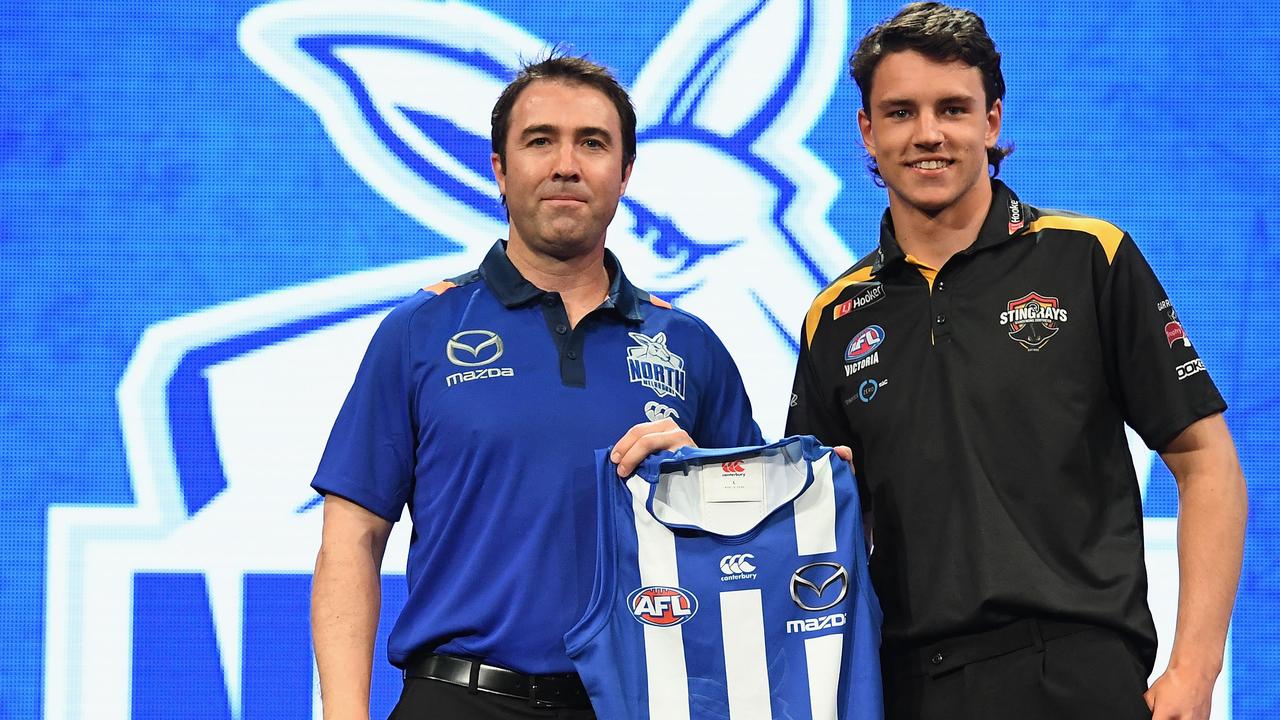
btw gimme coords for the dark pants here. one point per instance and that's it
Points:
(424, 699)
(1084, 674)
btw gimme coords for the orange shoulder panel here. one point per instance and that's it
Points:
(439, 287)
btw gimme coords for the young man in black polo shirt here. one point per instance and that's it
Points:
(981, 364)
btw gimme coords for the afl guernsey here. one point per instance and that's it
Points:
(731, 584)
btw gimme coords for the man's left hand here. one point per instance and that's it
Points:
(645, 439)
(1180, 694)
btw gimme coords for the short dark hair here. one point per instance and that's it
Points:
(941, 33)
(558, 65)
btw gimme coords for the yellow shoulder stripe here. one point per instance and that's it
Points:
(1108, 235)
(825, 298)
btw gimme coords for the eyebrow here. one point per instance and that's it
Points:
(962, 99)
(582, 132)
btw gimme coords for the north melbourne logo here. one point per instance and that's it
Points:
(651, 364)
(1033, 320)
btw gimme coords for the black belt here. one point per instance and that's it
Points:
(946, 655)
(563, 690)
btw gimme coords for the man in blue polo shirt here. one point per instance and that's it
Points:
(479, 403)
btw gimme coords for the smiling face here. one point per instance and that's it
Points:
(564, 171)
(928, 128)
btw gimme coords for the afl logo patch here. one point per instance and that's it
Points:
(662, 606)
(864, 343)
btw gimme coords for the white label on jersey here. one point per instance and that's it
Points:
(746, 672)
(816, 512)
(732, 482)
(822, 656)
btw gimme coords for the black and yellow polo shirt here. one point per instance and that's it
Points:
(985, 403)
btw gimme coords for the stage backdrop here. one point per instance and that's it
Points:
(207, 207)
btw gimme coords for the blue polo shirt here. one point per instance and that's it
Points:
(478, 406)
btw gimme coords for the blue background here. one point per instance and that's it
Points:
(149, 169)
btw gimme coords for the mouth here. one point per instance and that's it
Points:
(930, 164)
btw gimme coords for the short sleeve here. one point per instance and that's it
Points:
(724, 416)
(369, 458)
(1157, 376)
(810, 412)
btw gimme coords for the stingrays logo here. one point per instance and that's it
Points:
(202, 582)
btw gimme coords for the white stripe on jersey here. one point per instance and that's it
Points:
(745, 667)
(822, 655)
(663, 646)
(815, 512)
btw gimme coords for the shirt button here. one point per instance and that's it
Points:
(942, 319)
(936, 659)
(941, 286)
(573, 354)
(561, 329)
(548, 300)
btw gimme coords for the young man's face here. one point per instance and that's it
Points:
(564, 171)
(928, 129)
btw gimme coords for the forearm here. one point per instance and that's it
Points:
(345, 600)
(1212, 507)
(1211, 522)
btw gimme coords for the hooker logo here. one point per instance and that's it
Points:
(872, 294)
(1015, 216)
(662, 606)
(651, 364)
(1033, 319)
(733, 467)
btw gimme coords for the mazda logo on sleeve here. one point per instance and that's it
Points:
(818, 578)
(473, 348)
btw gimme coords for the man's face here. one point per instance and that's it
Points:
(928, 129)
(564, 171)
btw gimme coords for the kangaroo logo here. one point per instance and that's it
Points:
(224, 413)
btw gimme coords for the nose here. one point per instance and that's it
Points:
(928, 131)
(566, 165)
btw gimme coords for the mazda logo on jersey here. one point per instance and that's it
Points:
(813, 582)
(473, 348)
(662, 606)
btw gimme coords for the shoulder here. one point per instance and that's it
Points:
(445, 296)
(853, 287)
(1066, 226)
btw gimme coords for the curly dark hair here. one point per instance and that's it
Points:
(941, 33)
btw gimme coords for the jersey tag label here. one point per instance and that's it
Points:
(733, 481)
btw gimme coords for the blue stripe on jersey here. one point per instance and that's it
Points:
(761, 643)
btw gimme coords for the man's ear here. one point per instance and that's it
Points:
(626, 177)
(868, 137)
(499, 172)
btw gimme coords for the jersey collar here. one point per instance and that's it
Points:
(512, 289)
(1007, 218)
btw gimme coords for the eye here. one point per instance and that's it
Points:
(594, 143)
(539, 142)
(899, 114)
(955, 110)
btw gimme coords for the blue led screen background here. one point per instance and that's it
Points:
(208, 206)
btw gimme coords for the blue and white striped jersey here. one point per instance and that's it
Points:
(731, 584)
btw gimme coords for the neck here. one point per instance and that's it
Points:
(581, 280)
(932, 238)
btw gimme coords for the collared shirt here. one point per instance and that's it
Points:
(986, 407)
(480, 408)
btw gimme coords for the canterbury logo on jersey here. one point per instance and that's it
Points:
(733, 467)
(737, 567)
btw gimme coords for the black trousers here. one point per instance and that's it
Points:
(423, 699)
(1088, 674)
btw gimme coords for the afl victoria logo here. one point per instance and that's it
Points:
(662, 606)
(814, 581)
(864, 343)
(473, 348)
